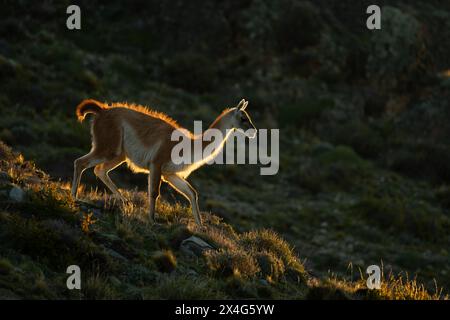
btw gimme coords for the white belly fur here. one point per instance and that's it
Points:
(138, 155)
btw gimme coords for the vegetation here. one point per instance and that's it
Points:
(364, 153)
(121, 255)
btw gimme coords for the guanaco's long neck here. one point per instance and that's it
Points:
(210, 149)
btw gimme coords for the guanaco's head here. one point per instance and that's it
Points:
(241, 120)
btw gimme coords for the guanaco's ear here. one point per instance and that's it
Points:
(245, 105)
(240, 104)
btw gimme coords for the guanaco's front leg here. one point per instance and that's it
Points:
(154, 183)
(183, 187)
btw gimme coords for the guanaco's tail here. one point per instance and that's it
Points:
(89, 106)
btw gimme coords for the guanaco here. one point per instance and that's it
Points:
(130, 133)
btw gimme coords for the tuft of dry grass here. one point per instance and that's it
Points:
(165, 260)
(252, 255)
(235, 262)
(393, 287)
(87, 221)
(272, 267)
(402, 288)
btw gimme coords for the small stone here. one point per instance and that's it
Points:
(17, 194)
(194, 245)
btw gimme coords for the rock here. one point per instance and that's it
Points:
(17, 194)
(194, 245)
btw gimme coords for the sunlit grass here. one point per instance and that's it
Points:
(393, 287)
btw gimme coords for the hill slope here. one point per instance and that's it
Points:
(42, 232)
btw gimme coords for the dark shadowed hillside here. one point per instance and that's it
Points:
(364, 148)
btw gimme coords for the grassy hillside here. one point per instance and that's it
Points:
(364, 153)
(42, 231)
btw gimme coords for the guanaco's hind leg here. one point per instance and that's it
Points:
(183, 187)
(81, 164)
(101, 171)
(107, 146)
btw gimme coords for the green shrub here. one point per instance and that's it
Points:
(183, 288)
(360, 136)
(398, 215)
(332, 169)
(98, 288)
(5, 267)
(240, 288)
(426, 160)
(141, 275)
(53, 243)
(341, 155)
(303, 113)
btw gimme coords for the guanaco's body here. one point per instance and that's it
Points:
(142, 138)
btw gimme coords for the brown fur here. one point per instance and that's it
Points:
(94, 106)
(142, 137)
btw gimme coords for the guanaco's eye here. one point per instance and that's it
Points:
(244, 119)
